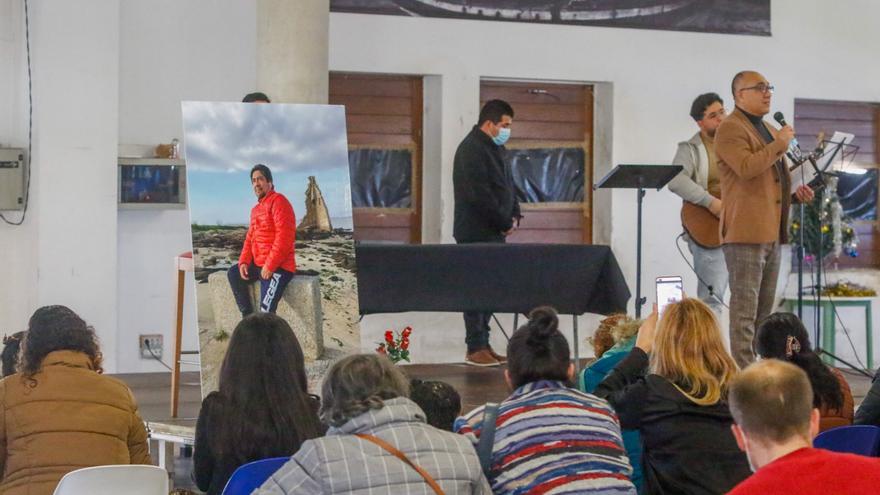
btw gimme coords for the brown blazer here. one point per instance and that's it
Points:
(72, 418)
(755, 199)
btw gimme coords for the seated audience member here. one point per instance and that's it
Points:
(772, 405)
(59, 412)
(783, 336)
(602, 340)
(262, 408)
(256, 97)
(11, 347)
(438, 400)
(378, 441)
(612, 341)
(869, 412)
(621, 330)
(547, 435)
(679, 406)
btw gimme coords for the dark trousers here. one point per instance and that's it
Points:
(476, 324)
(476, 328)
(270, 290)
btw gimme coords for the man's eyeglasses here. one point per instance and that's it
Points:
(715, 115)
(761, 88)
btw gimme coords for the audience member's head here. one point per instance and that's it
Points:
(256, 97)
(264, 389)
(771, 403)
(56, 328)
(689, 352)
(439, 400)
(625, 329)
(357, 384)
(538, 351)
(783, 336)
(601, 340)
(613, 330)
(11, 348)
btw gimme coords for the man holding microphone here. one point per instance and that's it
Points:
(755, 185)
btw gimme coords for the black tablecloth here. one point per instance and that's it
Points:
(504, 278)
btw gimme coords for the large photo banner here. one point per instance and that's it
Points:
(750, 17)
(270, 208)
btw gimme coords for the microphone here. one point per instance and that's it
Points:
(794, 149)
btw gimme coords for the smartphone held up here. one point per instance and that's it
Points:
(669, 290)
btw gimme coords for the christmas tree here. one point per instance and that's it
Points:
(824, 225)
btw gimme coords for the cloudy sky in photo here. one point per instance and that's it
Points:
(223, 141)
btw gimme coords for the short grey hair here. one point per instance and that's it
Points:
(357, 384)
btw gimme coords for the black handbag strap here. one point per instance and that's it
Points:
(487, 436)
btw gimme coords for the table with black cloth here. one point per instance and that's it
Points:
(504, 278)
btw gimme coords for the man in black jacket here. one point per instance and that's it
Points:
(486, 209)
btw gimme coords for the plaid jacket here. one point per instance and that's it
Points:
(343, 463)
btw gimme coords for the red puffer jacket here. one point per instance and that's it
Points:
(271, 235)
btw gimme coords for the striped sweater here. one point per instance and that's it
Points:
(552, 439)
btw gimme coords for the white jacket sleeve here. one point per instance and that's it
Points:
(683, 184)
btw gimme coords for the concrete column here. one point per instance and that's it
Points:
(292, 50)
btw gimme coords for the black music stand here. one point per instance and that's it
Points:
(845, 150)
(639, 177)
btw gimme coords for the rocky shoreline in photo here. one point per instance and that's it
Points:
(328, 255)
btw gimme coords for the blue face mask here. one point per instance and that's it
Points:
(502, 137)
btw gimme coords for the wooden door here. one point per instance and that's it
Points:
(384, 122)
(551, 119)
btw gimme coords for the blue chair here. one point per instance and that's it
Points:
(856, 439)
(250, 476)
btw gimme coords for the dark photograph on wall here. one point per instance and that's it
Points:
(751, 17)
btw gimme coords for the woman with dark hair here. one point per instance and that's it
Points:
(549, 436)
(783, 336)
(378, 441)
(59, 413)
(262, 408)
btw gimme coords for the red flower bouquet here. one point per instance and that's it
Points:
(396, 348)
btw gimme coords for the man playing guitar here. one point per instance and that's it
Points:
(699, 186)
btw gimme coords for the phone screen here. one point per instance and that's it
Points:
(668, 291)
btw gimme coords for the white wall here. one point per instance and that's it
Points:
(66, 254)
(170, 51)
(18, 287)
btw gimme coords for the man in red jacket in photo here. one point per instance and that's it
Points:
(268, 251)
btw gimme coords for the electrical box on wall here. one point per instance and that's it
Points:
(13, 169)
(150, 346)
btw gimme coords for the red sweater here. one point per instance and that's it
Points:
(271, 234)
(811, 471)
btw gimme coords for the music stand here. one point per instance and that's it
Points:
(639, 177)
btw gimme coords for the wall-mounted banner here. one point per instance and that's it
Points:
(710, 16)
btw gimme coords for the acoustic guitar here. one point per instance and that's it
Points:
(701, 225)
